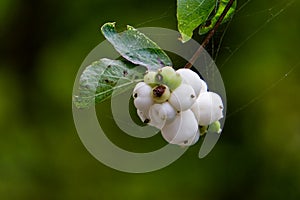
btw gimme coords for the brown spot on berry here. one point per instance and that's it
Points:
(135, 95)
(146, 121)
(159, 91)
(192, 96)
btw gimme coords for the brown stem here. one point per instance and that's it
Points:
(209, 36)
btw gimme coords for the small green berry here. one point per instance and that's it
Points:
(215, 127)
(169, 77)
(149, 78)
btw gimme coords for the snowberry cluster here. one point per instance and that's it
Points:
(177, 103)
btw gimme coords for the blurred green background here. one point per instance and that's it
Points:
(41, 156)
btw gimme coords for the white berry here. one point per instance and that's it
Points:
(183, 128)
(203, 86)
(191, 78)
(141, 90)
(177, 103)
(196, 138)
(192, 140)
(143, 116)
(183, 97)
(143, 103)
(208, 108)
(161, 113)
(142, 96)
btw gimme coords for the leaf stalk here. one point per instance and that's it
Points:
(209, 36)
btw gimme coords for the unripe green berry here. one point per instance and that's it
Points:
(160, 93)
(169, 77)
(215, 127)
(149, 78)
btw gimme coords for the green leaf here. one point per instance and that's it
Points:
(136, 47)
(191, 14)
(209, 24)
(101, 78)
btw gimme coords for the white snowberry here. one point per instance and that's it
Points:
(163, 113)
(142, 96)
(177, 102)
(196, 138)
(191, 141)
(208, 108)
(183, 97)
(191, 78)
(143, 103)
(182, 129)
(143, 115)
(203, 86)
(141, 90)
(155, 122)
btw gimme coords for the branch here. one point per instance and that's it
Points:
(209, 36)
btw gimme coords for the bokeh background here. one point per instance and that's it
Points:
(42, 46)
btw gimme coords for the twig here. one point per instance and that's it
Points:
(209, 36)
